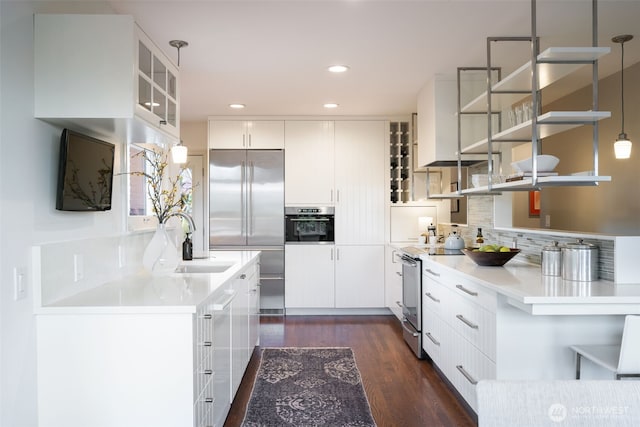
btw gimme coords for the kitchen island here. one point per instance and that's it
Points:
(511, 322)
(148, 350)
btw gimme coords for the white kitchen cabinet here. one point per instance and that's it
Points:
(114, 80)
(164, 366)
(309, 275)
(221, 360)
(360, 182)
(459, 328)
(309, 162)
(254, 310)
(327, 276)
(240, 353)
(393, 281)
(359, 276)
(246, 134)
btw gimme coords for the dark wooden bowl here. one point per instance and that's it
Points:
(491, 259)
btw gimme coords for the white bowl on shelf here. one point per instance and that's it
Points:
(546, 163)
(482, 180)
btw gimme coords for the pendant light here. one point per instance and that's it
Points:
(622, 146)
(179, 153)
(178, 44)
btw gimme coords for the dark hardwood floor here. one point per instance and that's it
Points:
(402, 390)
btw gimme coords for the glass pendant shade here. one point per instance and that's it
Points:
(622, 147)
(179, 154)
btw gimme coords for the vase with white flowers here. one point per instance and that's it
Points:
(167, 198)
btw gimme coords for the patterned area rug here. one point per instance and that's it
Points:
(305, 387)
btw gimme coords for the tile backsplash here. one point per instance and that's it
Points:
(480, 214)
(62, 269)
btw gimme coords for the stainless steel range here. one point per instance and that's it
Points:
(412, 292)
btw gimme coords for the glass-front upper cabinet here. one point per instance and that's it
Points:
(157, 87)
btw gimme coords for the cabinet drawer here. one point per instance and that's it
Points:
(435, 297)
(475, 324)
(203, 407)
(468, 366)
(434, 335)
(472, 291)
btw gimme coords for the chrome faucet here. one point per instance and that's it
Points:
(192, 225)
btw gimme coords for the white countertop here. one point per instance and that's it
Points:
(144, 293)
(527, 289)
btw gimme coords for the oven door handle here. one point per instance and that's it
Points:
(404, 320)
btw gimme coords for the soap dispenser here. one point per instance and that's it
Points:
(187, 248)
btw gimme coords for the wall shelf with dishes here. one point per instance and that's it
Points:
(516, 101)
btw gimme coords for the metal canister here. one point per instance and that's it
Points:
(580, 261)
(552, 260)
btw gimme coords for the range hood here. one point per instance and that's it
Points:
(454, 163)
(438, 125)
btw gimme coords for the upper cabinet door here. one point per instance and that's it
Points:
(265, 134)
(105, 93)
(241, 134)
(360, 181)
(309, 163)
(229, 134)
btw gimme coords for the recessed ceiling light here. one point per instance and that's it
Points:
(237, 106)
(338, 68)
(330, 105)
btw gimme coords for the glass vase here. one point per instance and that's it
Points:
(160, 256)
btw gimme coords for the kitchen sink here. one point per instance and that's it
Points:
(203, 268)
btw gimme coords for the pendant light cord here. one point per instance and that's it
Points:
(622, 85)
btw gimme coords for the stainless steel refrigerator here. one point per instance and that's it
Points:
(246, 211)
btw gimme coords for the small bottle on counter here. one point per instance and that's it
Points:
(479, 238)
(187, 249)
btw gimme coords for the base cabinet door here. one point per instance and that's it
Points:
(221, 375)
(254, 310)
(359, 276)
(239, 330)
(393, 282)
(309, 273)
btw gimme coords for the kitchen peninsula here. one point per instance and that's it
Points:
(146, 350)
(513, 323)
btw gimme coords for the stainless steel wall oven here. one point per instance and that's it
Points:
(309, 225)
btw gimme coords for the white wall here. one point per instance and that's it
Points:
(28, 173)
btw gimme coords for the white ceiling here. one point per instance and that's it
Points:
(272, 55)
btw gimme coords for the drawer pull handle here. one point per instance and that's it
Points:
(466, 322)
(466, 375)
(207, 316)
(398, 273)
(207, 343)
(432, 297)
(207, 372)
(433, 273)
(433, 340)
(399, 304)
(208, 399)
(467, 291)
(243, 276)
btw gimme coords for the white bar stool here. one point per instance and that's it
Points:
(623, 360)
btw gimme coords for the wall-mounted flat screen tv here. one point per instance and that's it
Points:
(85, 173)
